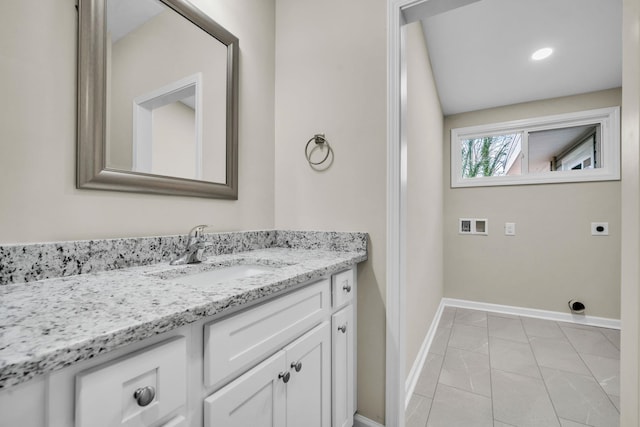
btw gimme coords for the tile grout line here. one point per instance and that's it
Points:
(529, 338)
(598, 382)
(616, 345)
(587, 366)
(446, 347)
(544, 383)
(473, 326)
(493, 412)
(474, 352)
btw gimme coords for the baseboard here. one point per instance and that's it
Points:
(360, 421)
(602, 322)
(418, 363)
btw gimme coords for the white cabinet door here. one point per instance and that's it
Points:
(256, 399)
(342, 329)
(309, 389)
(292, 388)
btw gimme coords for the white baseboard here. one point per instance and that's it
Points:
(557, 316)
(418, 363)
(360, 421)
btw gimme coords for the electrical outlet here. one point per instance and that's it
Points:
(599, 228)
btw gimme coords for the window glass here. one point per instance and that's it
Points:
(573, 147)
(496, 155)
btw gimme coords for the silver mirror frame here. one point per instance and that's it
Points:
(91, 169)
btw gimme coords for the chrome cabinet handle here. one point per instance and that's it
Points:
(347, 287)
(343, 329)
(284, 376)
(144, 395)
(297, 366)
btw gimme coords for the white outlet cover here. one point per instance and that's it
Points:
(599, 228)
(509, 228)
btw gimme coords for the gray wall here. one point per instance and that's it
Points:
(630, 267)
(331, 78)
(553, 256)
(38, 133)
(424, 285)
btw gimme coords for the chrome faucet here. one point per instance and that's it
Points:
(195, 247)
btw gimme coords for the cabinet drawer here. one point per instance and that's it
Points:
(234, 344)
(105, 394)
(342, 288)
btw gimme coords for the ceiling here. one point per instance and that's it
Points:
(124, 16)
(480, 51)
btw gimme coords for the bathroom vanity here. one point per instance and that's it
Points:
(264, 337)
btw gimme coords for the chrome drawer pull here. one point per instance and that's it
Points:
(296, 366)
(144, 395)
(343, 329)
(347, 287)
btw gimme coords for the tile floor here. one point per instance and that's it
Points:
(497, 370)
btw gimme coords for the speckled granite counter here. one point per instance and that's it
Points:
(50, 324)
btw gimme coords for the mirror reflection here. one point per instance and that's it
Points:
(166, 100)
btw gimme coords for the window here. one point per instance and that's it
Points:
(582, 146)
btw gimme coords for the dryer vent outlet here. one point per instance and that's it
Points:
(576, 306)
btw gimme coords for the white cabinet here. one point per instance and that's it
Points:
(215, 372)
(309, 388)
(342, 363)
(22, 405)
(179, 421)
(343, 288)
(136, 390)
(343, 351)
(255, 399)
(238, 342)
(290, 389)
(311, 381)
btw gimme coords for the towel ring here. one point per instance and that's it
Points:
(320, 141)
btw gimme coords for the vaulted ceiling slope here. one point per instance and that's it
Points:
(481, 52)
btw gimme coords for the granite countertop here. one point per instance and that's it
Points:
(49, 324)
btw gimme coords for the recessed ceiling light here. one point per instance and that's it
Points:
(543, 53)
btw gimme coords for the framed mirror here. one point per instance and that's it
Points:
(157, 99)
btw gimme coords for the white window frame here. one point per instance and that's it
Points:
(608, 118)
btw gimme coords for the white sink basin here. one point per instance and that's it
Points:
(223, 274)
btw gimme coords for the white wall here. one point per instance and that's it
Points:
(331, 78)
(424, 285)
(38, 133)
(553, 257)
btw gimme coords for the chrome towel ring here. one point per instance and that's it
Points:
(321, 143)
